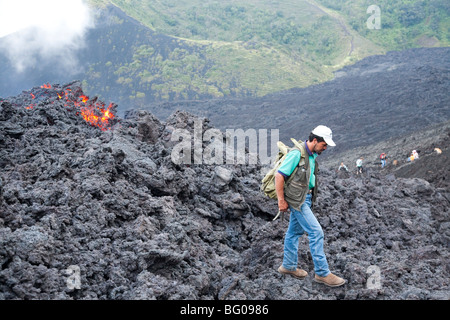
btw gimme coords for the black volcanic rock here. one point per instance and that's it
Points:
(106, 214)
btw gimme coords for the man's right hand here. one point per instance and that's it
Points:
(283, 205)
(279, 187)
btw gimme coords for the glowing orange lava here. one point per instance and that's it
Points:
(93, 112)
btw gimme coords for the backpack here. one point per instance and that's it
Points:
(268, 182)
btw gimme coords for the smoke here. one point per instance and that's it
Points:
(46, 30)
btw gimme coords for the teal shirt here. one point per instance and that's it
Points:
(291, 161)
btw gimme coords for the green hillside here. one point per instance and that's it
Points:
(235, 48)
(404, 24)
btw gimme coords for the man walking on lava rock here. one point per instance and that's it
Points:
(296, 186)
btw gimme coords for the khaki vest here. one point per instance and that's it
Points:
(297, 185)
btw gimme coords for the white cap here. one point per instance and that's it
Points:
(325, 133)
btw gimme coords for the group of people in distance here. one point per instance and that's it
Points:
(359, 166)
(359, 162)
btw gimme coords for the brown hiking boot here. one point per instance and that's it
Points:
(298, 273)
(330, 280)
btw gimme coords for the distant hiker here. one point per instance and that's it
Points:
(383, 159)
(296, 187)
(359, 165)
(438, 151)
(414, 155)
(343, 166)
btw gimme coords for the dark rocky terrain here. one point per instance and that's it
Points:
(111, 207)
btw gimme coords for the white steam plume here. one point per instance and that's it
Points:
(53, 30)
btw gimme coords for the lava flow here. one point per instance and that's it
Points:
(92, 110)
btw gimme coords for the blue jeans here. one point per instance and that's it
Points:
(300, 222)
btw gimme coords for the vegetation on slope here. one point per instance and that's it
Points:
(404, 24)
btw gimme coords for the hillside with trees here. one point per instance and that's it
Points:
(219, 49)
(404, 24)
